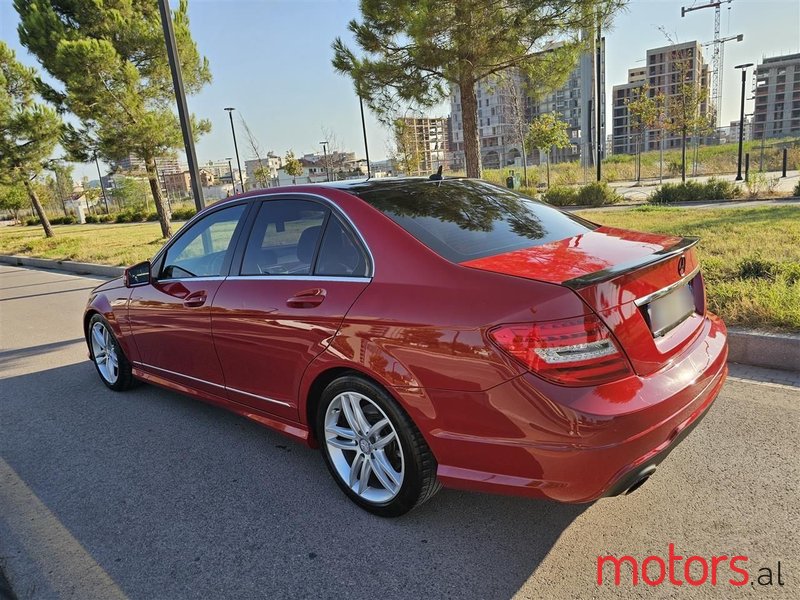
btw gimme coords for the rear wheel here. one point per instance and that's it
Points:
(373, 449)
(107, 355)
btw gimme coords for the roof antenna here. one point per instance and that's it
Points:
(438, 175)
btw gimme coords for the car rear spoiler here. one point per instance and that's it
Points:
(623, 268)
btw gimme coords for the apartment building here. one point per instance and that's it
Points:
(505, 102)
(777, 109)
(665, 66)
(427, 139)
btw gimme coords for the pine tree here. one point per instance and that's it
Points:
(414, 50)
(28, 130)
(111, 59)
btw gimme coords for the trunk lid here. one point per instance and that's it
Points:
(647, 288)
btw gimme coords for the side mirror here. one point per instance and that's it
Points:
(138, 274)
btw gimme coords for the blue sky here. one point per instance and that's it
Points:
(271, 60)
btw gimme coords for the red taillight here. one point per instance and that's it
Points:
(572, 352)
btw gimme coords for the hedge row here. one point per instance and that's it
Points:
(593, 194)
(126, 216)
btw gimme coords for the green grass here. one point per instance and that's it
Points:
(750, 257)
(112, 244)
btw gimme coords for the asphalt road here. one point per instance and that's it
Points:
(149, 494)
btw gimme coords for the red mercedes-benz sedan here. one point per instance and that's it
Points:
(426, 333)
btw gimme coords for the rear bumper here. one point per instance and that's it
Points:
(531, 438)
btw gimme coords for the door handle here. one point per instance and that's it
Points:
(195, 299)
(307, 298)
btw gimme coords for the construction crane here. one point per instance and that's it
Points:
(719, 76)
(716, 59)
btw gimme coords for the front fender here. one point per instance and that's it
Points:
(115, 311)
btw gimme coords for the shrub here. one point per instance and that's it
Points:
(92, 219)
(692, 191)
(32, 221)
(105, 218)
(123, 217)
(755, 184)
(796, 191)
(153, 216)
(183, 214)
(560, 195)
(757, 268)
(597, 194)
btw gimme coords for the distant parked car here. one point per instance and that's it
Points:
(426, 333)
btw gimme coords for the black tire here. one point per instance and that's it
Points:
(419, 482)
(124, 380)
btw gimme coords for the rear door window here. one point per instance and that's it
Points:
(284, 239)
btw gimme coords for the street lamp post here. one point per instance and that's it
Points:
(230, 110)
(324, 145)
(230, 170)
(741, 119)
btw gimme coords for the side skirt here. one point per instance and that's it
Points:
(296, 431)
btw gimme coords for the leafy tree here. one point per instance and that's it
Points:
(13, 198)
(683, 109)
(111, 60)
(292, 166)
(130, 192)
(62, 184)
(414, 50)
(28, 130)
(406, 153)
(646, 109)
(548, 131)
(520, 89)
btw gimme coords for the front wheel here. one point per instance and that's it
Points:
(107, 355)
(373, 449)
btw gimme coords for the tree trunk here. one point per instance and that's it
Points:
(37, 206)
(469, 121)
(524, 164)
(683, 155)
(161, 206)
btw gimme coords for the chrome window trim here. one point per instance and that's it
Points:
(267, 277)
(201, 278)
(224, 387)
(664, 291)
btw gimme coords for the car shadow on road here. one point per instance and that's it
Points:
(175, 498)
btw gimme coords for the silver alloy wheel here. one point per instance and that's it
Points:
(364, 447)
(104, 351)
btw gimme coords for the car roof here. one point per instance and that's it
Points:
(354, 186)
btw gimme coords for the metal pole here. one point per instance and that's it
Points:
(102, 188)
(785, 159)
(599, 102)
(747, 167)
(236, 150)
(364, 129)
(180, 97)
(327, 168)
(230, 170)
(741, 120)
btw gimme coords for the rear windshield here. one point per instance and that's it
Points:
(465, 219)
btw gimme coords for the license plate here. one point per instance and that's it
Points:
(669, 311)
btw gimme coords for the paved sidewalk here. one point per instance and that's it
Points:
(785, 379)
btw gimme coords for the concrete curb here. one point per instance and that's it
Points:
(759, 349)
(63, 265)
